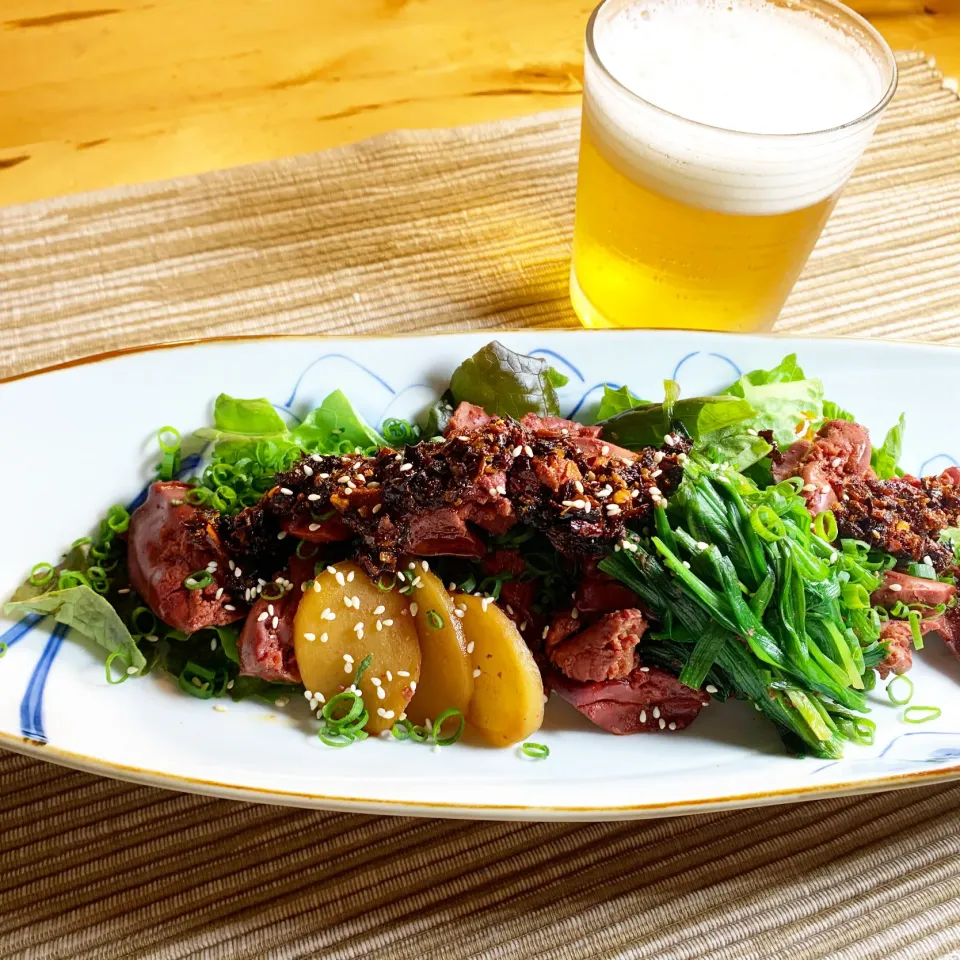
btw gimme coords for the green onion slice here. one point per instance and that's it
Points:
(448, 714)
(118, 518)
(342, 699)
(41, 573)
(825, 526)
(401, 730)
(3, 650)
(272, 591)
(333, 737)
(136, 618)
(918, 714)
(894, 699)
(198, 580)
(169, 439)
(536, 751)
(767, 525)
(914, 618)
(306, 556)
(434, 619)
(386, 589)
(116, 655)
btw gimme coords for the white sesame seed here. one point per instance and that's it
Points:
(310, 636)
(376, 681)
(516, 451)
(358, 627)
(230, 685)
(323, 638)
(313, 527)
(380, 711)
(528, 450)
(348, 668)
(404, 467)
(313, 497)
(424, 566)
(484, 603)
(381, 693)
(379, 625)
(673, 726)
(643, 716)
(928, 561)
(403, 673)
(413, 609)
(340, 579)
(656, 712)
(388, 715)
(654, 492)
(896, 587)
(378, 610)
(287, 491)
(229, 606)
(131, 671)
(604, 450)
(574, 614)
(275, 622)
(458, 613)
(377, 507)
(263, 616)
(476, 673)
(644, 669)
(686, 564)
(219, 593)
(612, 509)
(663, 723)
(316, 586)
(344, 479)
(465, 439)
(546, 630)
(658, 457)
(220, 708)
(413, 686)
(388, 623)
(837, 461)
(348, 602)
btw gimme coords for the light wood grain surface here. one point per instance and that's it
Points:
(95, 93)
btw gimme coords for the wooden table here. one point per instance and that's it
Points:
(137, 90)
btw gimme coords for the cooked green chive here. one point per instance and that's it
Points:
(362, 669)
(434, 619)
(169, 439)
(137, 620)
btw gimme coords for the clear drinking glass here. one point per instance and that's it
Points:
(682, 223)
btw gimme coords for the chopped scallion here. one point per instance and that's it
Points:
(434, 619)
(894, 699)
(918, 714)
(448, 714)
(536, 751)
(198, 580)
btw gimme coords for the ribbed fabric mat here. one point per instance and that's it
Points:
(424, 231)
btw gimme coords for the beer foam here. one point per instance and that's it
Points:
(736, 66)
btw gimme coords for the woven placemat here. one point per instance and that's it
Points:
(422, 231)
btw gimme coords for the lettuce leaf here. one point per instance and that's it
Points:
(884, 459)
(833, 411)
(87, 612)
(506, 383)
(333, 424)
(783, 397)
(734, 446)
(616, 400)
(247, 418)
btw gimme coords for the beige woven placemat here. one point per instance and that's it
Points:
(424, 231)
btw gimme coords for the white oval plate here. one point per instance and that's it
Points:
(77, 439)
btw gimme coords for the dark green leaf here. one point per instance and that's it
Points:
(244, 687)
(646, 425)
(228, 640)
(616, 400)
(433, 421)
(504, 382)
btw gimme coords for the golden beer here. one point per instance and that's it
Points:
(685, 223)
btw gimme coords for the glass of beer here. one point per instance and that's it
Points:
(716, 138)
